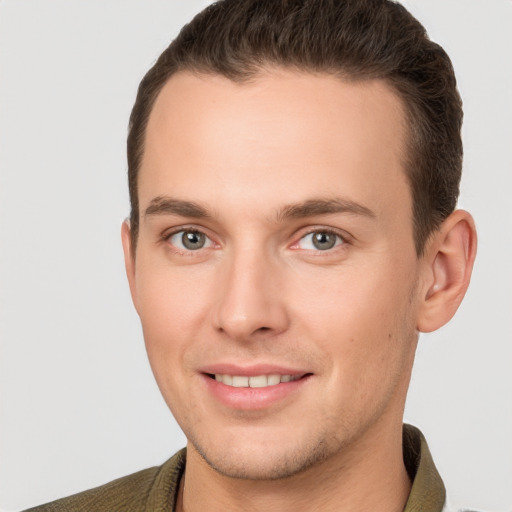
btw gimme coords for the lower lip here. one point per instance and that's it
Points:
(248, 399)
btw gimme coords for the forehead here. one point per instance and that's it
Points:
(281, 131)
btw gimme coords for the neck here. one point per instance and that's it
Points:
(368, 475)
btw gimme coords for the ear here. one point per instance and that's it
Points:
(129, 259)
(448, 261)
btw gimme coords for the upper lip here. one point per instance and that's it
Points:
(251, 370)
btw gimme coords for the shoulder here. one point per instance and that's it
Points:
(124, 493)
(150, 489)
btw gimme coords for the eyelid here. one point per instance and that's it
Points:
(343, 235)
(168, 233)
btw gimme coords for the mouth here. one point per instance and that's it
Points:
(254, 381)
(256, 387)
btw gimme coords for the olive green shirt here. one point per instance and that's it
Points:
(156, 489)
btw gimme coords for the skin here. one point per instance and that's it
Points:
(253, 157)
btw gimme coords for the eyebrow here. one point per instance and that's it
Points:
(164, 205)
(313, 207)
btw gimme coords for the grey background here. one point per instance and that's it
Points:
(78, 402)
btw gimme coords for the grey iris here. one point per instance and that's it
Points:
(323, 240)
(193, 240)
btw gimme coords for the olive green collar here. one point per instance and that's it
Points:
(427, 492)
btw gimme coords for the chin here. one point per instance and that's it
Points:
(265, 461)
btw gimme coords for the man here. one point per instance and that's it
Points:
(294, 170)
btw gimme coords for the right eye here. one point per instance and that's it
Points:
(189, 240)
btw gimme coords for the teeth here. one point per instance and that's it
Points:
(240, 382)
(273, 380)
(257, 381)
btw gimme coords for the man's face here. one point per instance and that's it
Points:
(276, 249)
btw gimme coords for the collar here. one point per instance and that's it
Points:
(427, 492)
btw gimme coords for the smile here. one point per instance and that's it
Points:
(256, 381)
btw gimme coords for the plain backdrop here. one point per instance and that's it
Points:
(79, 405)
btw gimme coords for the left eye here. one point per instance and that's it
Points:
(190, 240)
(320, 241)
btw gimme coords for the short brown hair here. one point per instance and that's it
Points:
(354, 39)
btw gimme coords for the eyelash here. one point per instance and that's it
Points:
(342, 239)
(166, 237)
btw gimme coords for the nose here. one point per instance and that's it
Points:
(251, 300)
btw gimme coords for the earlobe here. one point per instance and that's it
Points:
(449, 263)
(129, 260)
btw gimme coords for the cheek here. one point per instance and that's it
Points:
(349, 300)
(166, 316)
(361, 319)
(169, 298)
(170, 305)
